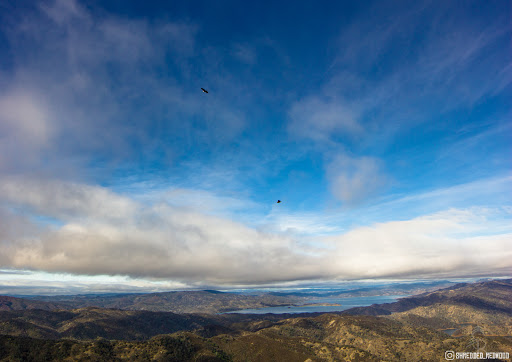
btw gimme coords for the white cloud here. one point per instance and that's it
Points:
(492, 192)
(454, 242)
(64, 11)
(65, 200)
(354, 179)
(25, 128)
(24, 282)
(322, 119)
(299, 224)
(103, 233)
(23, 117)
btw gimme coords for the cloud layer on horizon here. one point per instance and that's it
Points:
(103, 233)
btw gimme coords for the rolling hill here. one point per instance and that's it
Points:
(410, 329)
(323, 338)
(12, 303)
(206, 301)
(485, 304)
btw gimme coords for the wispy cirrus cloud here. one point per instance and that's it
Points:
(107, 87)
(451, 64)
(411, 76)
(323, 120)
(450, 58)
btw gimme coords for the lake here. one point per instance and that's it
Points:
(346, 303)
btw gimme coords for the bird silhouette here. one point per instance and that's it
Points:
(204, 90)
(278, 201)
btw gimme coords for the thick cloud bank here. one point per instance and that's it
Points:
(95, 231)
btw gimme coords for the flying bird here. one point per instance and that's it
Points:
(204, 90)
(278, 201)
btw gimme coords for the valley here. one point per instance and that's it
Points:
(412, 328)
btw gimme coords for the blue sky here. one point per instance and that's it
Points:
(384, 127)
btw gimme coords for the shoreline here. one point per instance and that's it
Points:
(318, 305)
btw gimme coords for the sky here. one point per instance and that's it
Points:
(382, 126)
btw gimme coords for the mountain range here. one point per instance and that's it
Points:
(462, 317)
(209, 301)
(205, 301)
